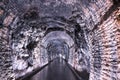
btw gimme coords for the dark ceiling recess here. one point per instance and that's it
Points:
(31, 14)
(31, 45)
(116, 2)
(118, 17)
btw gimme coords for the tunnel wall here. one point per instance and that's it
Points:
(90, 16)
(5, 56)
(6, 18)
(105, 51)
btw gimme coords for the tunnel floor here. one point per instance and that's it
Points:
(56, 70)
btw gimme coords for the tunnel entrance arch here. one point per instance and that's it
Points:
(62, 38)
(57, 35)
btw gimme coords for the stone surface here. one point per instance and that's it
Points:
(8, 20)
(91, 30)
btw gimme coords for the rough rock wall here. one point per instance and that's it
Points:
(6, 17)
(105, 51)
(5, 56)
(25, 41)
(93, 11)
(91, 15)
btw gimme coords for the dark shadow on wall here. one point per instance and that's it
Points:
(116, 4)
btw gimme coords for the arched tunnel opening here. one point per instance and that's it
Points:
(59, 39)
(57, 48)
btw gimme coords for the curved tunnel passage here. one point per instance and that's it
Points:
(57, 48)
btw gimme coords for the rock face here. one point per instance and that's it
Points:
(83, 32)
(106, 44)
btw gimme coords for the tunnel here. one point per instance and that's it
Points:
(59, 40)
(57, 48)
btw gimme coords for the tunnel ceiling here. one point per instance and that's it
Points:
(43, 17)
(47, 14)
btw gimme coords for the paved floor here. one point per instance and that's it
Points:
(56, 70)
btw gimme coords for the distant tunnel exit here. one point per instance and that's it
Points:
(57, 48)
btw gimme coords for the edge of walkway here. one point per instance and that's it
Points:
(74, 72)
(30, 74)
